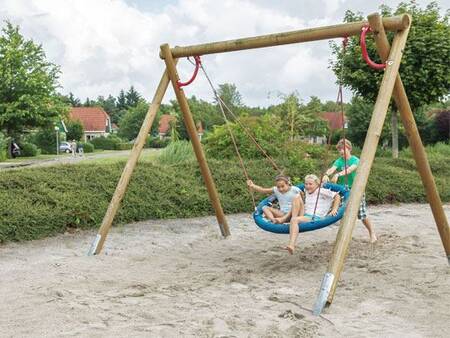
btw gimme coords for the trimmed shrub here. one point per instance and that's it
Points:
(107, 143)
(78, 195)
(155, 142)
(28, 149)
(3, 147)
(88, 147)
(124, 146)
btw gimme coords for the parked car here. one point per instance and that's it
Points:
(65, 147)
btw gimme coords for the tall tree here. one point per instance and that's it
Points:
(230, 95)
(28, 84)
(132, 97)
(121, 101)
(425, 68)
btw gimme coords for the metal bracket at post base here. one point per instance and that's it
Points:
(324, 292)
(94, 245)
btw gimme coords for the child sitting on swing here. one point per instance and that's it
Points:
(285, 194)
(319, 203)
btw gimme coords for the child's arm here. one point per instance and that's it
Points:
(349, 170)
(257, 188)
(335, 206)
(331, 170)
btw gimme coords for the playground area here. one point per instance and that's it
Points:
(170, 278)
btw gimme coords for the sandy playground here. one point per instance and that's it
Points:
(179, 278)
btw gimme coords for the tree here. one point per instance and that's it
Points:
(73, 101)
(425, 69)
(442, 122)
(75, 130)
(132, 97)
(230, 96)
(121, 101)
(131, 122)
(28, 84)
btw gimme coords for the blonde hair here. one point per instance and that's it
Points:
(343, 142)
(284, 178)
(312, 177)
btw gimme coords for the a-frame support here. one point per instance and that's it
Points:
(391, 85)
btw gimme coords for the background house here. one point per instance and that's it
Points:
(96, 122)
(164, 126)
(334, 120)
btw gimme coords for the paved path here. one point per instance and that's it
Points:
(67, 159)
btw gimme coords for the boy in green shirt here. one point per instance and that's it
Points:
(347, 177)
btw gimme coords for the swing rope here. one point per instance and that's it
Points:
(340, 102)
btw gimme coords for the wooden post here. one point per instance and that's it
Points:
(192, 131)
(344, 235)
(418, 151)
(121, 188)
(311, 34)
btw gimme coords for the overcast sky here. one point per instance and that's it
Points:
(103, 46)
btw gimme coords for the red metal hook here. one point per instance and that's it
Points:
(365, 55)
(198, 63)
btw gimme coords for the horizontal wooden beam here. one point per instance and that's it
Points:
(394, 23)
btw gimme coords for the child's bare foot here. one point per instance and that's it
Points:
(373, 238)
(290, 249)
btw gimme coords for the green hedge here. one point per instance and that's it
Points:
(38, 202)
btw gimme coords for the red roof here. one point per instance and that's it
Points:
(92, 118)
(164, 123)
(334, 119)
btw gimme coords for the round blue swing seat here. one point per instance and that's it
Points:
(265, 224)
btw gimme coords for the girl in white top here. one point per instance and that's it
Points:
(327, 204)
(284, 192)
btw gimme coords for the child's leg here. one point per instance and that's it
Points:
(271, 213)
(294, 230)
(362, 215)
(297, 209)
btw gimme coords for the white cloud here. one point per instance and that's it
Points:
(106, 45)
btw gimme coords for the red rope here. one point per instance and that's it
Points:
(198, 63)
(365, 54)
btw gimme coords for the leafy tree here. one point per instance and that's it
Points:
(131, 122)
(132, 97)
(28, 84)
(230, 95)
(45, 139)
(73, 101)
(75, 130)
(425, 69)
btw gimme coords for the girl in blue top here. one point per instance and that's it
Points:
(285, 194)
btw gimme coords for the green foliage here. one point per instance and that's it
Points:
(266, 130)
(156, 142)
(131, 122)
(88, 147)
(78, 195)
(425, 69)
(3, 147)
(28, 149)
(111, 142)
(75, 130)
(28, 95)
(45, 139)
(176, 152)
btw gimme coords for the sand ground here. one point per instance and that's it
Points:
(180, 278)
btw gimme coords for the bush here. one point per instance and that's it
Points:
(176, 152)
(3, 147)
(78, 195)
(88, 147)
(124, 146)
(107, 143)
(28, 149)
(155, 142)
(45, 139)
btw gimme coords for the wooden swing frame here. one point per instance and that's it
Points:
(391, 85)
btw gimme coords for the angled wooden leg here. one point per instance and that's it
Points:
(344, 235)
(418, 151)
(198, 150)
(121, 188)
